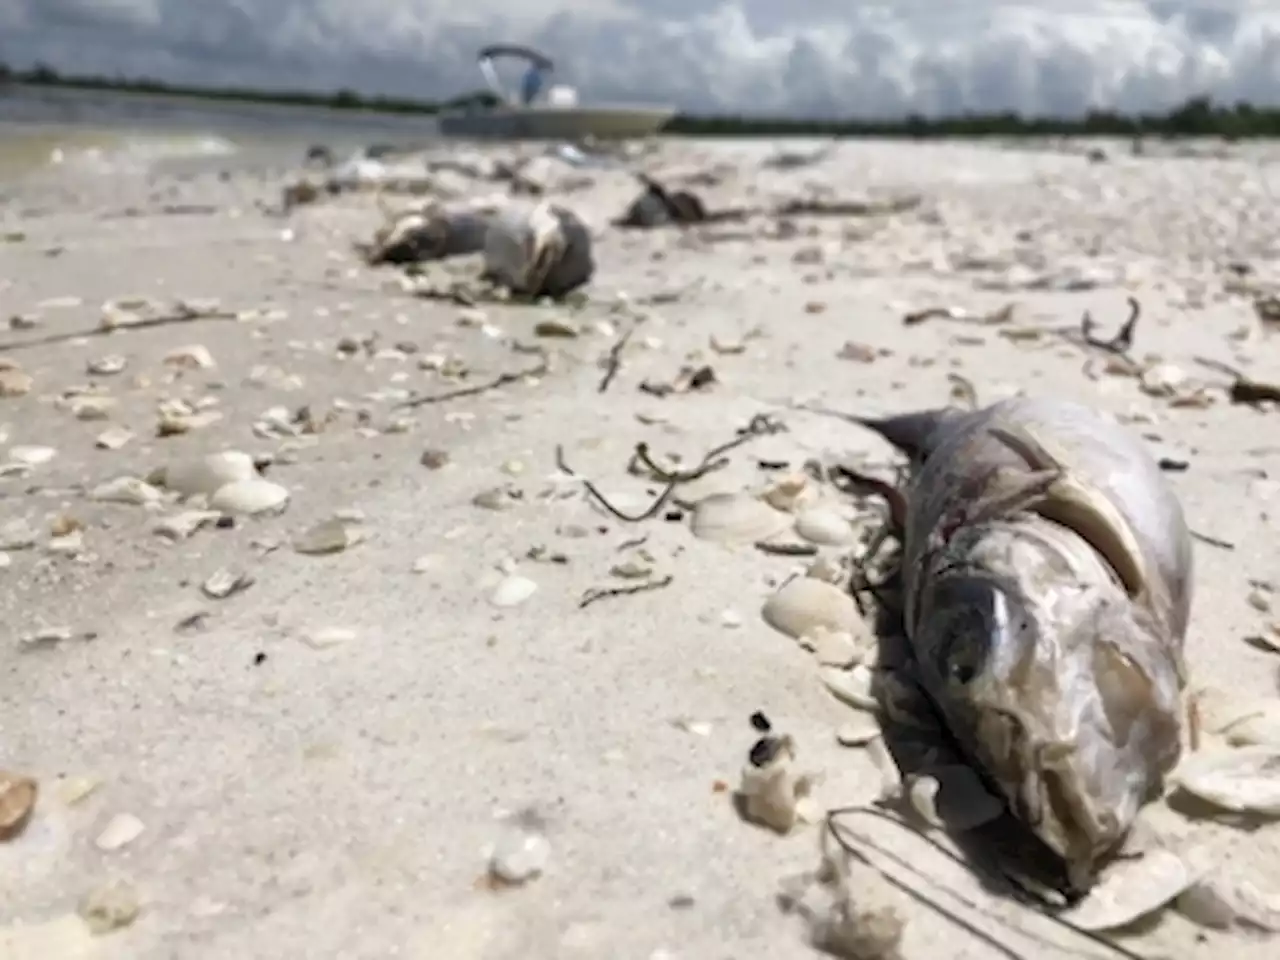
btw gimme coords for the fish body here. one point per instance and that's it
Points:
(1047, 584)
(538, 250)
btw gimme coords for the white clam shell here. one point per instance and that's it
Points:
(512, 591)
(804, 606)
(853, 686)
(1243, 779)
(129, 490)
(1131, 890)
(735, 518)
(824, 527)
(250, 497)
(207, 474)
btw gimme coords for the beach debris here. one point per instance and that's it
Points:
(106, 366)
(225, 582)
(995, 317)
(851, 685)
(657, 206)
(795, 159)
(858, 732)
(538, 250)
(120, 831)
(771, 793)
(804, 606)
(110, 906)
(13, 381)
(327, 637)
(17, 801)
(612, 361)
(205, 475)
(1122, 342)
(329, 536)
(1244, 390)
(501, 380)
(248, 498)
(91, 409)
(1244, 779)
(596, 594)
(196, 356)
(129, 490)
(113, 438)
(688, 379)
(512, 591)
(522, 851)
(182, 525)
(1130, 889)
(732, 518)
(44, 636)
(31, 455)
(436, 231)
(1063, 543)
(868, 207)
(824, 527)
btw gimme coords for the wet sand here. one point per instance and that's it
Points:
(319, 761)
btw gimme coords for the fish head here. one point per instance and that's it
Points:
(1064, 695)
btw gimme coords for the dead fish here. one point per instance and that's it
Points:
(433, 232)
(538, 250)
(658, 206)
(1046, 570)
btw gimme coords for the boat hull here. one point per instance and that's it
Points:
(556, 123)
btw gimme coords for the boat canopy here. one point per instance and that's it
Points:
(493, 51)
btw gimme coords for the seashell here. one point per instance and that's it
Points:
(538, 250)
(833, 648)
(1242, 780)
(91, 409)
(15, 383)
(512, 591)
(249, 497)
(770, 792)
(205, 474)
(224, 582)
(129, 490)
(824, 527)
(804, 606)
(121, 830)
(106, 366)
(735, 518)
(113, 438)
(17, 801)
(1163, 380)
(1131, 890)
(853, 686)
(17, 535)
(330, 536)
(322, 638)
(31, 456)
(193, 357)
(109, 907)
(182, 525)
(789, 492)
(522, 852)
(858, 732)
(958, 799)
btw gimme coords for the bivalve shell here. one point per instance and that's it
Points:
(804, 606)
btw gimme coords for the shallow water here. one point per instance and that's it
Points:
(44, 129)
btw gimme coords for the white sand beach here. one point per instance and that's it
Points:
(318, 763)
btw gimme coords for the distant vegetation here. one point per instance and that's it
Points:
(1198, 117)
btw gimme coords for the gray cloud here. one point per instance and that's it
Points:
(815, 57)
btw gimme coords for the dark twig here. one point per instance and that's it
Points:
(787, 549)
(613, 360)
(1243, 390)
(1122, 342)
(1213, 541)
(760, 425)
(169, 319)
(501, 380)
(596, 594)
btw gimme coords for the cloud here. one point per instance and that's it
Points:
(811, 57)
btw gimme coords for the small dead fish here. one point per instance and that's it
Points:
(1047, 573)
(435, 232)
(538, 250)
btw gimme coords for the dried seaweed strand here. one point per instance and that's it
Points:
(596, 594)
(833, 829)
(502, 380)
(760, 425)
(169, 319)
(1243, 390)
(1122, 342)
(613, 360)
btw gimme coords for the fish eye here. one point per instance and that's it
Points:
(966, 615)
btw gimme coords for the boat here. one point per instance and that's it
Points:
(557, 116)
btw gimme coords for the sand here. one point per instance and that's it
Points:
(339, 801)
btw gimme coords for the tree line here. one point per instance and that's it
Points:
(1198, 117)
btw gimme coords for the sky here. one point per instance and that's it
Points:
(798, 57)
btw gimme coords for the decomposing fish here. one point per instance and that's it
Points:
(658, 206)
(1046, 573)
(538, 250)
(433, 232)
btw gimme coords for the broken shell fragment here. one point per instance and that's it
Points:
(803, 606)
(735, 518)
(180, 526)
(128, 490)
(250, 497)
(121, 830)
(1242, 780)
(113, 438)
(521, 853)
(1130, 890)
(330, 536)
(770, 792)
(110, 907)
(853, 686)
(224, 582)
(194, 357)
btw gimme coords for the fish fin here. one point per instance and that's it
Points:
(916, 435)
